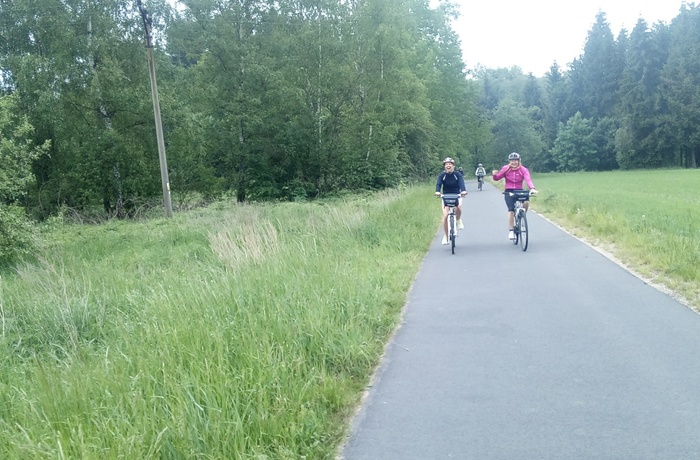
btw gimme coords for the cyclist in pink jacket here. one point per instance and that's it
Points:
(515, 174)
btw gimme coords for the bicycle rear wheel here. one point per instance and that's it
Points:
(522, 230)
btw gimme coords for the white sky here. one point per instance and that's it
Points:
(532, 34)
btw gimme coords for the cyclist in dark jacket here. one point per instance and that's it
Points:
(450, 181)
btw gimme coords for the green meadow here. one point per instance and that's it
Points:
(233, 332)
(648, 220)
(250, 331)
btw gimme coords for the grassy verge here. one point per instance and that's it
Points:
(646, 219)
(237, 332)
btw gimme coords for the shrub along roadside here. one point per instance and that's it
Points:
(232, 332)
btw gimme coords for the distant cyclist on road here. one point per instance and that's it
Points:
(480, 173)
(450, 181)
(515, 174)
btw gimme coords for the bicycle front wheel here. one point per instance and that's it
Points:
(453, 232)
(522, 227)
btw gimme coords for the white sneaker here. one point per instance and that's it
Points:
(444, 239)
(460, 225)
(511, 235)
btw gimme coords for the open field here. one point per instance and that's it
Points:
(648, 220)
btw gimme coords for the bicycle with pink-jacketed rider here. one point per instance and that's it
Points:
(515, 175)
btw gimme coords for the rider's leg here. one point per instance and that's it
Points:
(511, 224)
(445, 211)
(510, 204)
(458, 214)
(526, 204)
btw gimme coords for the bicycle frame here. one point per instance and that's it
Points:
(451, 201)
(520, 227)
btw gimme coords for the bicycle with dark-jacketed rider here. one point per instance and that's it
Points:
(450, 182)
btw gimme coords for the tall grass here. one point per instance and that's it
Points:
(236, 332)
(647, 219)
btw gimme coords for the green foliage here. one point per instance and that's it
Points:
(638, 93)
(513, 131)
(595, 76)
(574, 144)
(639, 143)
(17, 153)
(16, 235)
(585, 145)
(681, 89)
(82, 81)
(292, 100)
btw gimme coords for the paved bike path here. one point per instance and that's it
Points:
(553, 353)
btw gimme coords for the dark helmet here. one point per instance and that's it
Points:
(448, 160)
(514, 156)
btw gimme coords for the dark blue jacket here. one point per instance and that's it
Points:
(450, 183)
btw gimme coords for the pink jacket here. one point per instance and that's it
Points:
(514, 177)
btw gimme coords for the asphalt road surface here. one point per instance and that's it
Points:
(553, 353)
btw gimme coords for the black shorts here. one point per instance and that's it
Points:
(510, 200)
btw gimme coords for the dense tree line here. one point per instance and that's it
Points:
(260, 99)
(291, 99)
(630, 102)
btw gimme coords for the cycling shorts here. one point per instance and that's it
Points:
(510, 200)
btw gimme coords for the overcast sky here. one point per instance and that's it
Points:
(534, 33)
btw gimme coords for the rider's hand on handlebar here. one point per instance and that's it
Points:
(438, 194)
(533, 192)
(464, 193)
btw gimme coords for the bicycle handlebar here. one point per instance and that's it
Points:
(521, 195)
(531, 192)
(443, 195)
(450, 199)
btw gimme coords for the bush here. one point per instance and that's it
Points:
(16, 234)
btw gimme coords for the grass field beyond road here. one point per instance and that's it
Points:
(649, 220)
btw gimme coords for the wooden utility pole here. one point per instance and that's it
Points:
(156, 109)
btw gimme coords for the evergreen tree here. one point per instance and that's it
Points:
(681, 89)
(641, 110)
(553, 107)
(597, 72)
